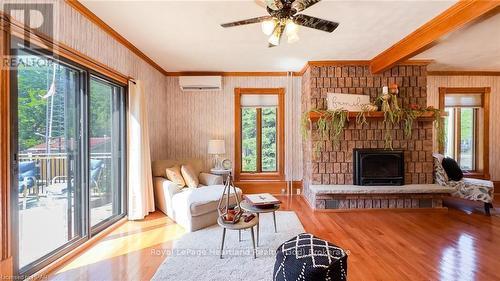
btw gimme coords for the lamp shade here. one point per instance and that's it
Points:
(216, 147)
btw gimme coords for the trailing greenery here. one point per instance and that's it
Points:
(361, 118)
(332, 123)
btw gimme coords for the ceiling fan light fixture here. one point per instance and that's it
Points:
(268, 26)
(275, 37)
(292, 32)
(291, 29)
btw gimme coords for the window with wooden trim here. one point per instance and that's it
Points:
(259, 127)
(466, 128)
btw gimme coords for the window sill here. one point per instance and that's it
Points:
(260, 176)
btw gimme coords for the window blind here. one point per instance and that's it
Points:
(259, 100)
(463, 100)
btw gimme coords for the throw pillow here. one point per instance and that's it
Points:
(452, 169)
(174, 174)
(189, 176)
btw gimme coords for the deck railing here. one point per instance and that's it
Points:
(54, 167)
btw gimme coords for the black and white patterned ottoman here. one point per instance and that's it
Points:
(306, 257)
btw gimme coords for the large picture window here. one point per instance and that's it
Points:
(68, 140)
(259, 133)
(466, 128)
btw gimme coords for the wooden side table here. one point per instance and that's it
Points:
(246, 206)
(238, 226)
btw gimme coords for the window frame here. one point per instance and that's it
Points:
(279, 174)
(485, 97)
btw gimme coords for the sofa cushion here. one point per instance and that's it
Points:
(174, 175)
(199, 201)
(452, 169)
(189, 176)
(158, 167)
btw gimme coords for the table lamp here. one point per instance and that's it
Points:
(217, 147)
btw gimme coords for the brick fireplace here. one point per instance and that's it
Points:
(333, 164)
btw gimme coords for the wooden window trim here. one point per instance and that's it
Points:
(280, 135)
(485, 95)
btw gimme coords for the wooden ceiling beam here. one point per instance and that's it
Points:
(419, 40)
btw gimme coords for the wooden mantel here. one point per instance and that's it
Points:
(425, 116)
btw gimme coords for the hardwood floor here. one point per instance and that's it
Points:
(455, 245)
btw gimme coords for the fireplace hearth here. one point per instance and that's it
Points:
(378, 167)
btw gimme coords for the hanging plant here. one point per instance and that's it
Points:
(332, 123)
(409, 117)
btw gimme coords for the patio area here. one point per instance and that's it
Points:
(47, 222)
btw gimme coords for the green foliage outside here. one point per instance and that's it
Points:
(249, 139)
(100, 109)
(33, 84)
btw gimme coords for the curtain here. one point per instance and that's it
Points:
(140, 180)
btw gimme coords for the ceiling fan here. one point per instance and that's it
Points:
(284, 17)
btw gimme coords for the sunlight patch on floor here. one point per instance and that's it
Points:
(126, 244)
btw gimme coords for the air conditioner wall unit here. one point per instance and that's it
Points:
(200, 83)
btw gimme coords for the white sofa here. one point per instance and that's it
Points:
(192, 208)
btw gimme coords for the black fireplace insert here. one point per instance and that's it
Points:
(378, 167)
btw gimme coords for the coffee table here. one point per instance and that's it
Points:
(246, 206)
(241, 224)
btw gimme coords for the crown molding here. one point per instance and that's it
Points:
(357, 62)
(463, 73)
(234, 73)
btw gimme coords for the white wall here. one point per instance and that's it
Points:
(190, 119)
(433, 84)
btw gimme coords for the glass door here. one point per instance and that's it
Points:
(48, 183)
(106, 146)
(68, 131)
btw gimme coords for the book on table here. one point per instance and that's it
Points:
(262, 199)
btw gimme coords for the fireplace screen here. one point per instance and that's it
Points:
(378, 167)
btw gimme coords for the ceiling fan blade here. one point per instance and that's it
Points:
(274, 4)
(316, 23)
(247, 21)
(261, 3)
(301, 5)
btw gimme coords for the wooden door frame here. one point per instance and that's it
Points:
(6, 261)
(280, 134)
(485, 96)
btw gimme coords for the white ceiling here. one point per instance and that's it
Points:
(186, 35)
(476, 47)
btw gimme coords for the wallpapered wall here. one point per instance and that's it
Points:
(74, 30)
(433, 84)
(190, 119)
